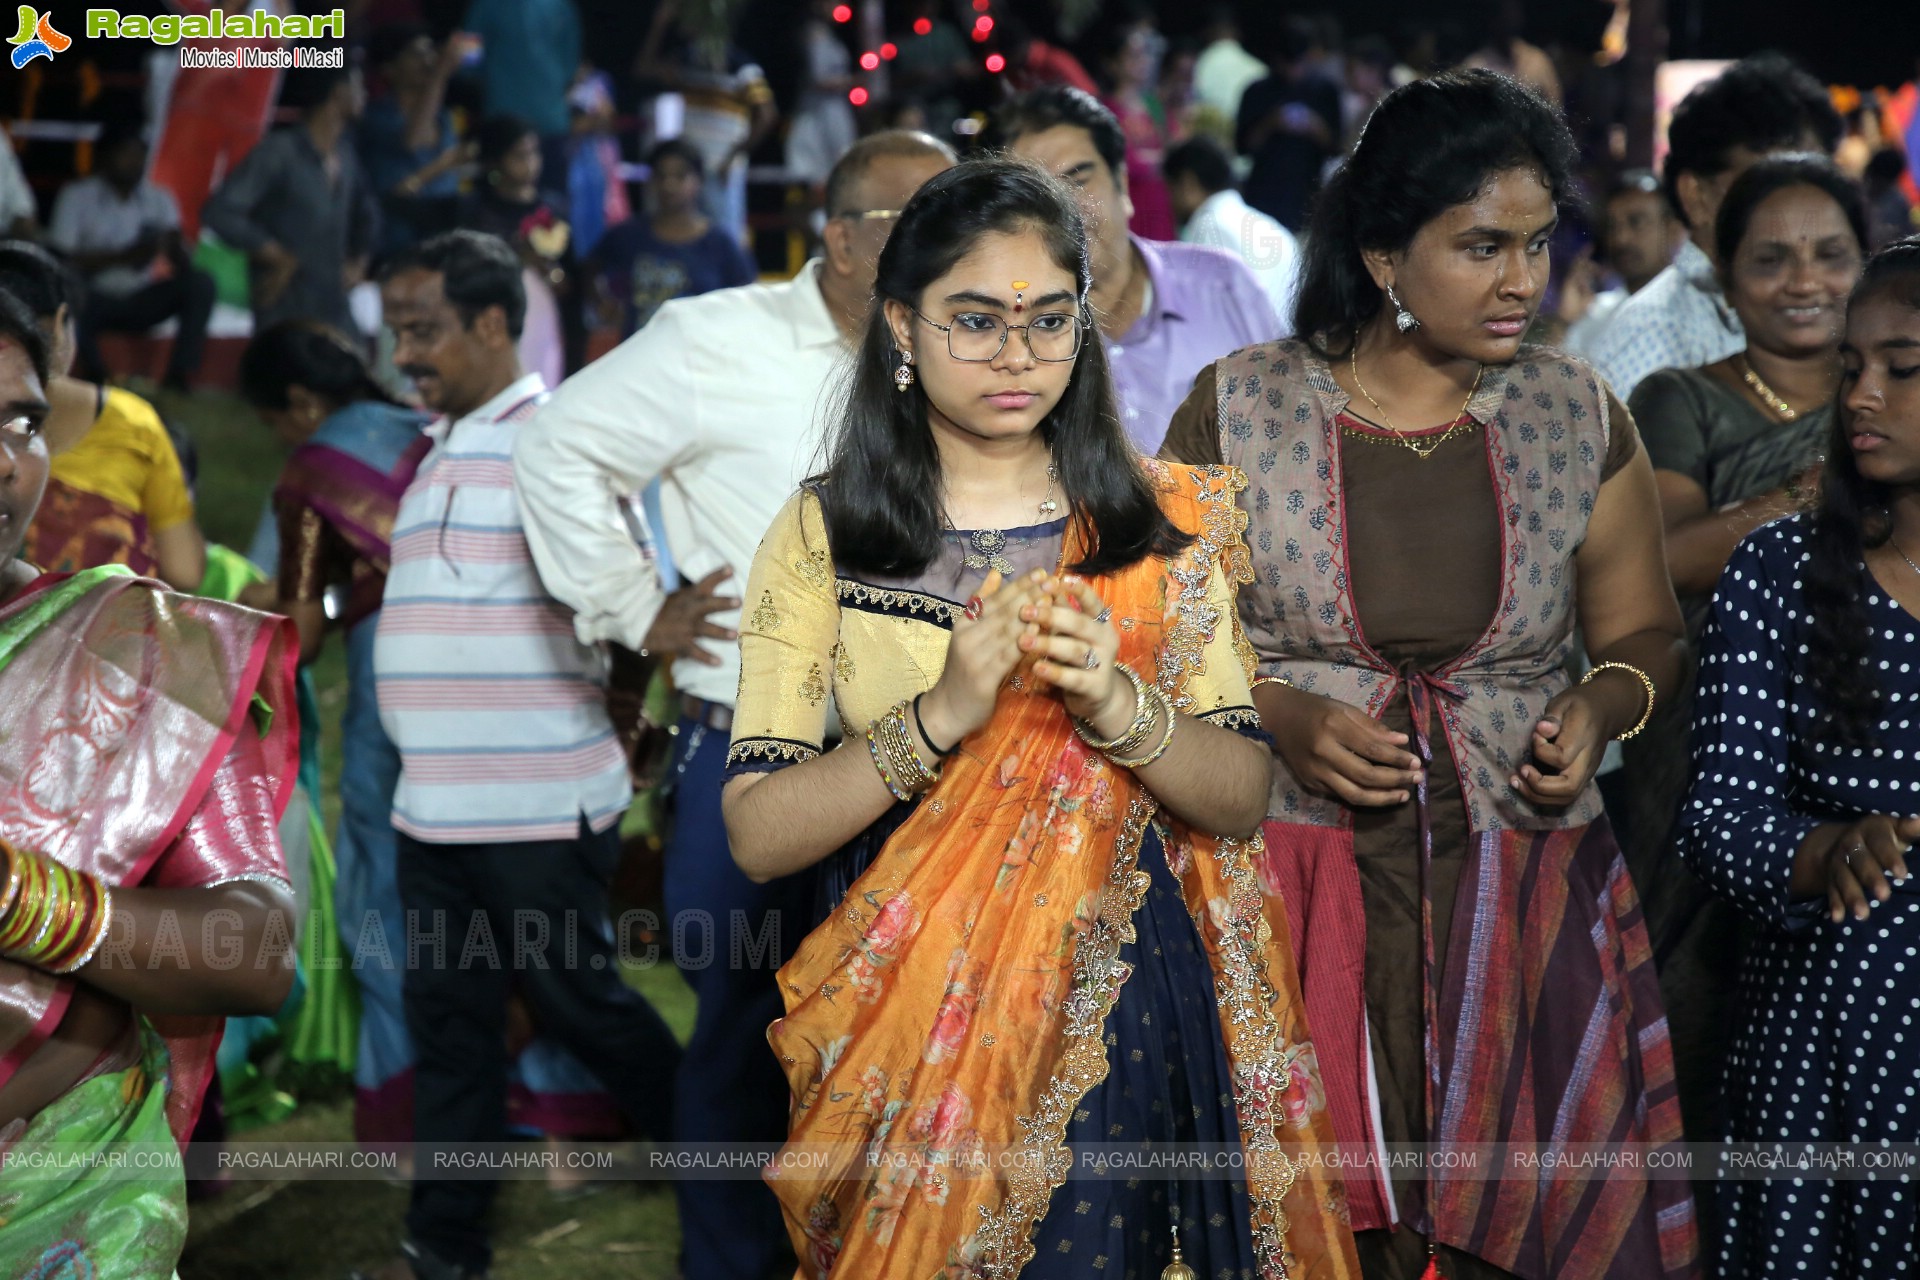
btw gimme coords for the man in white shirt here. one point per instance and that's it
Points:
(1639, 235)
(1760, 106)
(722, 398)
(1210, 211)
(115, 227)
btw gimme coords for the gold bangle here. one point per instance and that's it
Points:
(1279, 680)
(1164, 705)
(896, 742)
(1137, 733)
(1646, 683)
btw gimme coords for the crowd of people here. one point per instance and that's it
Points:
(1255, 601)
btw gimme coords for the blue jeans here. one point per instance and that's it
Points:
(729, 936)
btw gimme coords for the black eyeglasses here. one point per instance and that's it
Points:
(976, 337)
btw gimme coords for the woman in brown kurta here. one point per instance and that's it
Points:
(1446, 561)
(1422, 600)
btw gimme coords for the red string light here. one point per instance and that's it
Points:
(996, 63)
(923, 26)
(857, 96)
(981, 6)
(843, 13)
(869, 61)
(889, 51)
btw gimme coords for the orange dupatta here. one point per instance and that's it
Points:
(953, 1007)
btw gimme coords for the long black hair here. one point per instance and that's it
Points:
(1428, 146)
(881, 491)
(1854, 517)
(1768, 178)
(304, 353)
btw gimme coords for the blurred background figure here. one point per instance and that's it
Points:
(822, 125)
(1224, 71)
(1132, 68)
(300, 207)
(354, 451)
(1507, 51)
(406, 136)
(1890, 212)
(1288, 126)
(727, 105)
(122, 234)
(1638, 237)
(512, 201)
(529, 54)
(116, 492)
(1210, 212)
(672, 250)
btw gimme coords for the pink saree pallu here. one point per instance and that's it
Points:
(150, 739)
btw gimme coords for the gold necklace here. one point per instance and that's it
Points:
(1400, 437)
(1767, 394)
(1903, 555)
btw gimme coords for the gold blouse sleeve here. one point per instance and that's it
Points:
(790, 624)
(1219, 690)
(303, 568)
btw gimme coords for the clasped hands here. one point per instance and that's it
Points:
(1336, 749)
(1055, 625)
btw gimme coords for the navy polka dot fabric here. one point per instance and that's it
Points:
(1824, 1045)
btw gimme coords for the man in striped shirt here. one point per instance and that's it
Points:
(512, 780)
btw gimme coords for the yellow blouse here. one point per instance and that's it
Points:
(809, 632)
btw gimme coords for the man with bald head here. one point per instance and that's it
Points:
(722, 397)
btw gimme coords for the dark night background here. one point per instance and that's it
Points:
(1863, 42)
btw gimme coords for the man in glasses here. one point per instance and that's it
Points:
(1166, 310)
(720, 398)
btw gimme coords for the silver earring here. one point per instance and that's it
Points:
(903, 373)
(1403, 320)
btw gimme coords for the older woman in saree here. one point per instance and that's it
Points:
(1037, 832)
(1433, 506)
(148, 744)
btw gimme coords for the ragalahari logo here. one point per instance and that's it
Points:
(37, 38)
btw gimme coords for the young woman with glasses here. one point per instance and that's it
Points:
(1041, 927)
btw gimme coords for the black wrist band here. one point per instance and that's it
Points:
(926, 737)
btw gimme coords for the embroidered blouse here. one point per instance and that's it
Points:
(812, 629)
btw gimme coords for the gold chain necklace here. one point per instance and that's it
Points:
(1400, 437)
(1903, 555)
(1766, 393)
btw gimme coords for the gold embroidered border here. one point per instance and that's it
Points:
(1252, 1034)
(912, 601)
(780, 750)
(1219, 541)
(1005, 1239)
(1247, 998)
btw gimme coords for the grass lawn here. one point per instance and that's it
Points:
(315, 1230)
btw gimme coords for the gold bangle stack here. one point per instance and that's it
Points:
(1163, 706)
(1646, 682)
(899, 761)
(1137, 733)
(1150, 706)
(1279, 680)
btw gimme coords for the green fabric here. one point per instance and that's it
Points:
(319, 1026)
(50, 604)
(228, 267)
(61, 1216)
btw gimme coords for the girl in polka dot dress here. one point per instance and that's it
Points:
(1807, 750)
